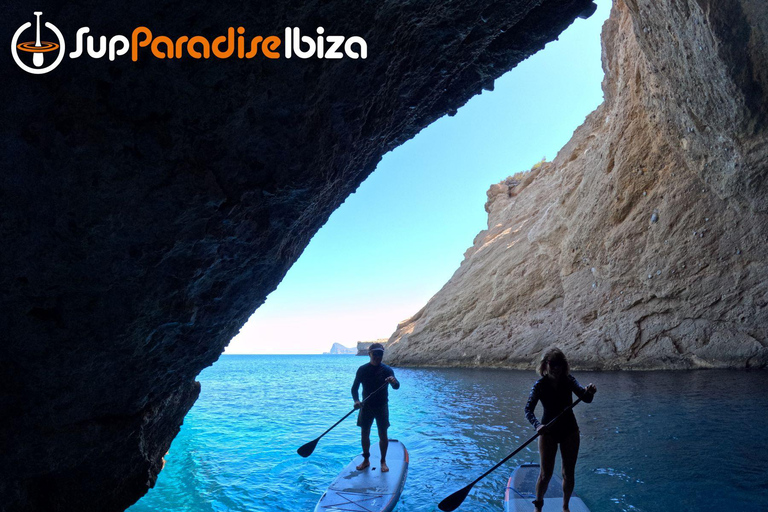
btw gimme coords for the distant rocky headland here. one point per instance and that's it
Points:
(361, 349)
(644, 244)
(339, 349)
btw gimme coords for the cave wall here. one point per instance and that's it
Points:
(644, 244)
(147, 208)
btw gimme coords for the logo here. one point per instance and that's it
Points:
(39, 49)
(234, 44)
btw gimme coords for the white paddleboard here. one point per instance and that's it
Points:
(368, 490)
(521, 491)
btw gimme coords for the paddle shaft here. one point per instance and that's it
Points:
(353, 409)
(537, 434)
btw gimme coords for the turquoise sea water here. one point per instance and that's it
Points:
(651, 441)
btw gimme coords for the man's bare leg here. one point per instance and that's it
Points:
(383, 445)
(365, 439)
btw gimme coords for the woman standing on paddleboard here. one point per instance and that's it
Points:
(554, 390)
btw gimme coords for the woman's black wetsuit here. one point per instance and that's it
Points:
(555, 400)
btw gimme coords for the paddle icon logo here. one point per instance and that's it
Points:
(45, 56)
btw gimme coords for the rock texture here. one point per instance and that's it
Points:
(644, 244)
(148, 208)
(363, 346)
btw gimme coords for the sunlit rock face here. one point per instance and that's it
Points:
(643, 245)
(147, 208)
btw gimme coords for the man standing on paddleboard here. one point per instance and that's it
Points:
(375, 377)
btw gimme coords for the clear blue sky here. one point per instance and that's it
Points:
(396, 241)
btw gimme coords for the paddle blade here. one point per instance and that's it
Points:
(453, 501)
(307, 449)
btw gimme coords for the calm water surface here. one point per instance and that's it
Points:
(654, 441)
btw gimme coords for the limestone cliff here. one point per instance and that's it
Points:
(147, 208)
(644, 244)
(363, 346)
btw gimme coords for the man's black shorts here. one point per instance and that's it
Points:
(367, 414)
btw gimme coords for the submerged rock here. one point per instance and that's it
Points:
(525, 284)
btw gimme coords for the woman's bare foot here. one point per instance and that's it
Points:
(363, 465)
(384, 467)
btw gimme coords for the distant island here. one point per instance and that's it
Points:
(360, 350)
(339, 349)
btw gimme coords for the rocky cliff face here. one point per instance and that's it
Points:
(148, 208)
(644, 244)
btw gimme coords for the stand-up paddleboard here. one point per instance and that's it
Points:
(521, 491)
(368, 490)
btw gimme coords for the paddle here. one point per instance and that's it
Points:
(307, 449)
(453, 501)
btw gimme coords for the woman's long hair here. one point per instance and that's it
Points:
(553, 354)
